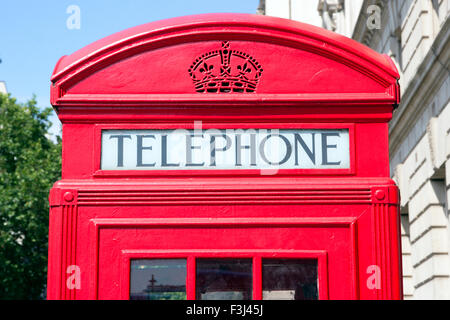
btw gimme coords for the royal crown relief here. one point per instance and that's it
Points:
(225, 70)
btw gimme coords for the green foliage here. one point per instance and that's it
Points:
(29, 165)
(167, 296)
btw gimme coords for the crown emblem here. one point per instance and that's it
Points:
(225, 70)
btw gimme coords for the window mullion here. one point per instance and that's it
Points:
(257, 278)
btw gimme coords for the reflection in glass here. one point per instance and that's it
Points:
(289, 279)
(224, 279)
(158, 279)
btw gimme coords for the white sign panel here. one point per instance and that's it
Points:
(278, 294)
(225, 149)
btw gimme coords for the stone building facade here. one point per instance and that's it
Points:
(415, 33)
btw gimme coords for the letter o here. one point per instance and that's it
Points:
(288, 149)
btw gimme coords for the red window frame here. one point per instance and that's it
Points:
(255, 255)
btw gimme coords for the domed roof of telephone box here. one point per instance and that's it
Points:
(224, 58)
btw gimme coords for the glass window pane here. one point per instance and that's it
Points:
(289, 279)
(224, 279)
(158, 279)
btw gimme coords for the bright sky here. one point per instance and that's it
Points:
(34, 34)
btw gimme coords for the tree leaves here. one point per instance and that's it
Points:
(29, 165)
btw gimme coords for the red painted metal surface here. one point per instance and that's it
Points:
(143, 78)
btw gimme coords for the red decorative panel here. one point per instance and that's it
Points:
(62, 251)
(387, 250)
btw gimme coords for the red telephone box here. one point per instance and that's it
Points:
(225, 156)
